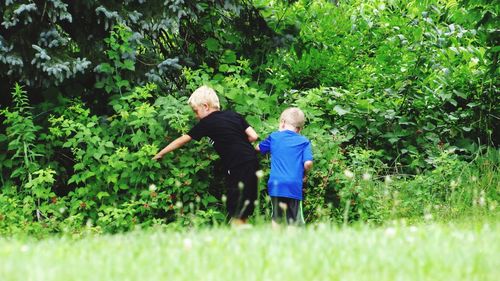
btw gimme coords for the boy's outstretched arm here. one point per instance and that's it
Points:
(251, 134)
(179, 142)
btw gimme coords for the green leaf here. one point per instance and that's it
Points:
(223, 68)
(340, 111)
(129, 64)
(212, 44)
(105, 68)
(228, 57)
(102, 194)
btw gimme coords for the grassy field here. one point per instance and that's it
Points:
(459, 251)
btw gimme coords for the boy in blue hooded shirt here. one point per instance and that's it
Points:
(291, 159)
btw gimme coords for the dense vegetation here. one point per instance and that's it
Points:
(401, 98)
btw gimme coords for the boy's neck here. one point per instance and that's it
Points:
(210, 111)
(284, 127)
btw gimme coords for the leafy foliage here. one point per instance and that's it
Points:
(400, 98)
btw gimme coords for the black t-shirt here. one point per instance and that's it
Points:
(226, 130)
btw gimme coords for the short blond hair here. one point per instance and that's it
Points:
(293, 116)
(204, 95)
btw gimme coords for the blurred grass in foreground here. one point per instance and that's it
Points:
(454, 251)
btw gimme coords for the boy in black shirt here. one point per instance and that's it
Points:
(231, 136)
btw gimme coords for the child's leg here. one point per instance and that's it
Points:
(287, 210)
(279, 210)
(294, 215)
(242, 191)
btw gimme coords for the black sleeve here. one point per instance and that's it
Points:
(243, 122)
(198, 131)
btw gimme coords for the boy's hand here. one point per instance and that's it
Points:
(157, 157)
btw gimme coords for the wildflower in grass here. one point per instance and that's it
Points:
(188, 244)
(24, 248)
(89, 223)
(428, 216)
(493, 205)
(152, 187)
(481, 201)
(178, 204)
(259, 174)
(410, 239)
(241, 185)
(62, 210)
(388, 179)
(283, 206)
(390, 232)
(348, 174)
(198, 199)
(223, 198)
(473, 178)
(209, 239)
(367, 176)
(453, 184)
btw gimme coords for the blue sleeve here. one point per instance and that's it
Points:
(307, 155)
(265, 145)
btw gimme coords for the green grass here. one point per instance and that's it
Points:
(458, 251)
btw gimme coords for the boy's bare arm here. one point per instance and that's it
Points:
(179, 142)
(251, 134)
(307, 167)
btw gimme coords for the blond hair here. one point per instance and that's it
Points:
(204, 95)
(293, 116)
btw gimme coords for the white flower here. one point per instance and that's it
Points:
(453, 184)
(390, 232)
(259, 174)
(428, 217)
(223, 199)
(283, 206)
(152, 187)
(188, 244)
(178, 204)
(388, 179)
(481, 201)
(348, 174)
(367, 176)
(24, 248)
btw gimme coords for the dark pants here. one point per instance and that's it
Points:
(287, 210)
(241, 184)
